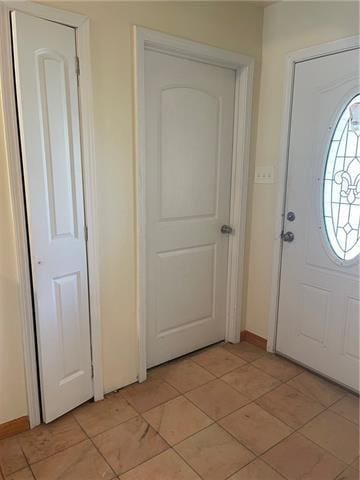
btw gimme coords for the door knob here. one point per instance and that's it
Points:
(226, 229)
(288, 236)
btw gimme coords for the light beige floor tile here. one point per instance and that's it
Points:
(166, 466)
(289, 405)
(218, 361)
(255, 428)
(129, 444)
(250, 381)
(96, 417)
(297, 458)
(45, 440)
(348, 407)
(257, 470)
(217, 399)
(177, 419)
(277, 367)
(349, 474)
(317, 388)
(81, 462)
(24, 474)
(214, 454)
(147, 395)
(11, 456)
(245, 350)
(161, 370)
(185, 375)
(336, 434)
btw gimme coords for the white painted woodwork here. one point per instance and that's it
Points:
(46, 86)
(189, 134)
(318, 319)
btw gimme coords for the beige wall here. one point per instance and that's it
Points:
(12, 382)
(234, 26)
(288, 26)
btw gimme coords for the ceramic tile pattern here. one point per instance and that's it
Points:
(230, 412)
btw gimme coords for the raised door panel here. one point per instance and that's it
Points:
(352, 329)
(186, 281)
(57, 143)
(313, 313)
(189, 134)
(67, 291)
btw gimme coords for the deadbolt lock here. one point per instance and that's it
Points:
(290, 216)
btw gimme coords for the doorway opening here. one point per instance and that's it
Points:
(149, 44)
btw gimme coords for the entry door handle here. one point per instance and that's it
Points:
(226, 229)
(288, 236)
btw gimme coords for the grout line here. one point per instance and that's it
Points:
(198, 431)
(157, 405)
(47, 456)
(216, 420)
(57, 452)
(26, 460)
(191, 389)
(232, 473)
(95, 446)
(297, 430)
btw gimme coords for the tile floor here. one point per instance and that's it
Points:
(229, 412)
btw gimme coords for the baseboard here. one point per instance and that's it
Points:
(14, 426)
(246, 336)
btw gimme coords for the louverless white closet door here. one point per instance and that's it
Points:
(46, 86)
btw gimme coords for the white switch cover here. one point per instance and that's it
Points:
(264, 174)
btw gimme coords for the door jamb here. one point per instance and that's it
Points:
(244, 68)
(291, 60)
(12, 147)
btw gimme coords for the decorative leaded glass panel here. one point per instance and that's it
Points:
(341, 193)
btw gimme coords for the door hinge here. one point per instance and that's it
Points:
(77, 66)
(86, 233)
(92, 371)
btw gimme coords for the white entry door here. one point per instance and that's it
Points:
(46, 86)
(319, 313)
(189, 134)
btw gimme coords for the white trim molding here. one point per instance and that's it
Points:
(244, 67)
(81, 25)
(291, 60)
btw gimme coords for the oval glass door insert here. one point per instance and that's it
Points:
(341, 188)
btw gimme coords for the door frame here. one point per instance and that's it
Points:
(13, 157)
(291, 59)
(243, 66)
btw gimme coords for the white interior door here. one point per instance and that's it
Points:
(318, 322)
(189, 134)
(46, 86)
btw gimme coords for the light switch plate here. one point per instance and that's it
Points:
(264, 174)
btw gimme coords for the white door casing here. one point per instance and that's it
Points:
(189, 138)
(318, 318)
(46, 85)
